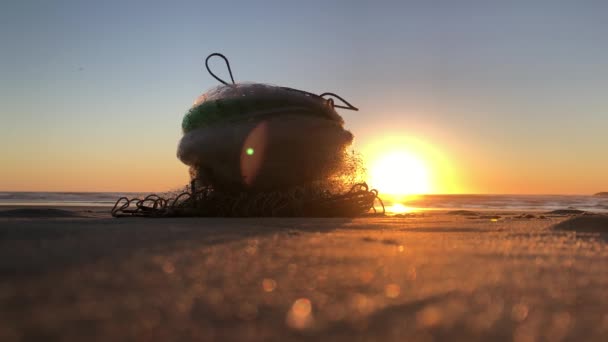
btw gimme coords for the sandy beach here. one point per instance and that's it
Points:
(77, 274)
(206, 171)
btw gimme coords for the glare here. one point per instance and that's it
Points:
(398, 208)
(400, 173)
(401, 164)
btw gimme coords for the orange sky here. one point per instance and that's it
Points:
(501, 99)
(454, 167)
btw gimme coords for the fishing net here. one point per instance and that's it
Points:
(295, 202)
(262, 150)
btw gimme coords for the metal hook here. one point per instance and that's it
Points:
(348, 105)
(227, 64)
(331, 101)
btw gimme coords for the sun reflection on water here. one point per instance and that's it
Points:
(398, 208)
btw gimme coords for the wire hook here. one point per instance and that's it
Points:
(348, 105)
(331, 101)
(227, 64)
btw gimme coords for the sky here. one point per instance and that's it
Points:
(508, 97)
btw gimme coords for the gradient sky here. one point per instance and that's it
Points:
(92, 93)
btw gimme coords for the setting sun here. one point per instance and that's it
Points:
(400, 173)
(401, 165)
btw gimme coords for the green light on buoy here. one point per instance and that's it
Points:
(250, 151)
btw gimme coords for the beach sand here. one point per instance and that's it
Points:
(76, 274)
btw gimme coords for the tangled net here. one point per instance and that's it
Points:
(261, 150)
(295, 202)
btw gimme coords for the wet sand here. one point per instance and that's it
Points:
(77, 274)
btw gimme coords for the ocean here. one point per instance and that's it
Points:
(504, 202)
(423, 202)
(86, 199)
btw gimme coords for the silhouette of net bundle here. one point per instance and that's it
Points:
(261, 150)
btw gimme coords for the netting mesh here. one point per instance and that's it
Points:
(295, 202)
(239, 101)
(343, 195)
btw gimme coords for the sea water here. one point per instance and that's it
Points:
(61, 198)
(415, 203)
(499, 202)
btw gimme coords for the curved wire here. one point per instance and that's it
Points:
(348, 105)
(227, 64)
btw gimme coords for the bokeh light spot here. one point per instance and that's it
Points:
(269, 285)
(392, 290)
(300, 314)
(168, 267)
(302, 307)
(519, 312)
(429, 317)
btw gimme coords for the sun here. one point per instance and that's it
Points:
(399, 173)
